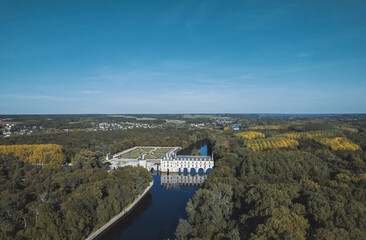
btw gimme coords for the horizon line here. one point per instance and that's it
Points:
(217, 113)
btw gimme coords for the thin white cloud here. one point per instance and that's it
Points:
(89, 92)
(17, 96)
(304, 55)
(38, 97)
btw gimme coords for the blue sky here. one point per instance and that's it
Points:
(191, 56)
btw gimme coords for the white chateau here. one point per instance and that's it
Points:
(177, 163)
(169, 162)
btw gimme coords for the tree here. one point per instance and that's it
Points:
(184, 229)
(85, 159)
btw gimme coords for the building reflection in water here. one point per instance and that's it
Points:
(174, 180)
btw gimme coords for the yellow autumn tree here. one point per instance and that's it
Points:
(250, 135)
(309, 135)
(270, 143)
(268, 127)
(338, 143)
(227, 128)
(35, 154)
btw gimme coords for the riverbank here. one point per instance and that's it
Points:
(116, 218)
(158, 214)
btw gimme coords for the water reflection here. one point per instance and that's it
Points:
(174, 180)
(156, 217)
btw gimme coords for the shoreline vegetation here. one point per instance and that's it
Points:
(68, 203)
(98, 233)
(283, 181)
(43, 199)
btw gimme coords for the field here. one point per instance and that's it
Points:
(150, 152)
(145, 119)
(175, 121)
(134, 117)
(197, 116)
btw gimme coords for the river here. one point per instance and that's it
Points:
(156, 216)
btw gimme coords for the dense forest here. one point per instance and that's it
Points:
(110, 141)
(37, 154)
(279, 177)
(68, 203)
(43, 198)
(283, 180)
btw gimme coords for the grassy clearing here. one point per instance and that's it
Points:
(175, 121)
(121, 116)
(197, 116)
(145, 119)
